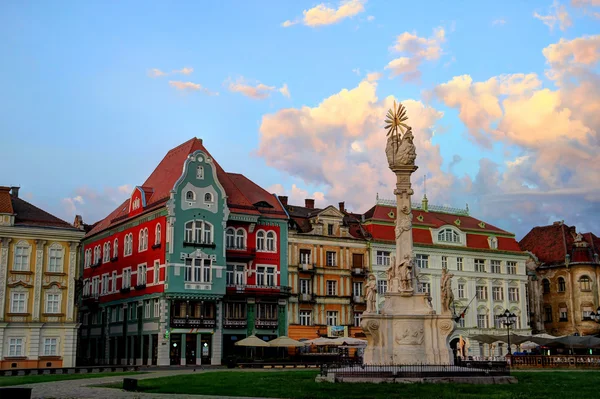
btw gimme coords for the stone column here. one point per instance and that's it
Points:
(164, 344)
(150, 350)
(37, 287)
(69, 346)
(403, 193)
(217, 338)
(4, 244)
(198, 349)
(183, 349)
(34, 342)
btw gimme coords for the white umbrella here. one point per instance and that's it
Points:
(325, 341)
(285, 342)
(353, 341)
(252, 340)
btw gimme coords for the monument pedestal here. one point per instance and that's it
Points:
(407, 331)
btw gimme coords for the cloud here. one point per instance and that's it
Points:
(370, 18)
(415, 50)
(588, 7)
(557, 14)
(339, 145)
(190, 86)
(93, 204)
(258, 91)
(374, 76)
(324, 15)
(157, 73)
(297, 195)
(499, 22)
(356, 71)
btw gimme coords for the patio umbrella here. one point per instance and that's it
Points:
(252, 340)
(587, 341)
(325, 341)
(486, 339)
(514, 339)
(353, 341)
(285, 342)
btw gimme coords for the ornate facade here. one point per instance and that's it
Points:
(565, 278)
(328, 264)
(185, 267)
(38, 261)
(487, 264)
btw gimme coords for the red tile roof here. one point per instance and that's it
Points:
(30, 215)
(5, 202)
(255, 194)
(159, 184)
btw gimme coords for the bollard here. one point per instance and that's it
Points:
(130, 384)
(15, 393)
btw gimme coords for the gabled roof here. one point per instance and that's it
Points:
(27, 214)
(301, 216)
(5, 201)
(258, 197)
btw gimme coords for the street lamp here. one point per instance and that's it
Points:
(508, 319)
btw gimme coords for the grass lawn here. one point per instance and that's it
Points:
(32, 379)
(302, 385)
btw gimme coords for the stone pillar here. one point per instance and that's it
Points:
(34, 342)
(164, 344)
(183, 349)
(4, 244)
(37, 287)
(69, 346)
(217, 338)
(403, 193)
(198, 349)
(150, 350)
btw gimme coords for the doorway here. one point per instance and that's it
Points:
(190, 348)
(175, 349)
(205, 348)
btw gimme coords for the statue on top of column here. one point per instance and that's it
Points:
(400, 150)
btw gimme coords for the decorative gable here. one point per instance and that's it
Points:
(137, 201)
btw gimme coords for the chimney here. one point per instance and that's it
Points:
(309, 203)
(283, 199)
(14, 191)
(342, 207)
(425, 203)
(558, 223)
(78, 222)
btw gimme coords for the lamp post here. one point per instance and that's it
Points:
(508, 319)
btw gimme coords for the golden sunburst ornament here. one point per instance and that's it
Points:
(395, 121)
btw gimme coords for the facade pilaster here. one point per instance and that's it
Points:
(37, 286)
(34, 342)
(217, 338)
(70, 313)
(4, 245)
(163, 355)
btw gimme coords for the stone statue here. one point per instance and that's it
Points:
(446, 288)
(467, 345)
(461, 347)
(399, 150)
(391, 271)
(404, 272)
(371, 294)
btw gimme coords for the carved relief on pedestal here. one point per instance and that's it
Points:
(408, 334)
(371, 327)
(446, 327)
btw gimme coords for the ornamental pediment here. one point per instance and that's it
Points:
(496, 281)
(331, 212)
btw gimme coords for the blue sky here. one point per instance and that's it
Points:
(79, 109)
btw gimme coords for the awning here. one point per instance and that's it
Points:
(252, 340)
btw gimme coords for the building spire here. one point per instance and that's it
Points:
(425, 201)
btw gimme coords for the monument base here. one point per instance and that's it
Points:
(407, 331)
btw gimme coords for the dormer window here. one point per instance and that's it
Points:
(200, 172)
(208, 197)
(448, 235)
(190, 196)
(136, 204)
(493, 241)
(330, 229)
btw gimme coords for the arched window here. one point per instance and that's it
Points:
(143, 237)
(128, 245)
(240, 238)
(189, 196)
(260, 241)
(116, 248)
(545, 286)
(55, 258)
(97, 254)
(230, 237)
(106, 252)
(208, 197)
(199, 232)
(207, 229)
(271, 241)
(88, 258)
(585, 283)
(157, 232)
(562, 286)
(448, 235)
(200, 172)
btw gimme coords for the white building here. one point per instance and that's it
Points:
(487, 263)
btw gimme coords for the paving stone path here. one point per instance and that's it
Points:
(82, 389)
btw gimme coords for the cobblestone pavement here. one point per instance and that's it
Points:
(82, 389)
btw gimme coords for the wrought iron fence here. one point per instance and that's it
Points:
(412, 371)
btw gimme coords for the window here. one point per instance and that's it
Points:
(562, 286)
(157, 234)
(330, 258)
(461, 322)
(271, 241)
(260, 241)
(444, 262)
(305, 256)
(230, 238)
(305, 318)
(585, 283)
(156, 272)
(50, 346)
(383, 258)
(547, 315)
(142, 273)
(18, 303)
(513, 294)
(156, 308)
(480, 265)
(143, 244)
(97, 254)
(114, 281)
(21, 259)
(461, 290)
(106, 252)
(260, 275)
(511, 267)
(546, 286)
(104, 284)
(147, 309)
(271, 276)
(422, 261)
(235, 310)
(15, 347)
(116, 248)
(332, 318)
(304, 286)
(357, 288)
(498, 321)
(267, 311)
(198, 270)
(495, 266)
(357, 319)
(236, 275)
(126, 278)
(200, 172)
(190, 196)
(331, 287)
(128, 245)
(86, 287)
(55, 259)
(381, 287)
(198, 232)
(240, 238)
(586, 313)
(208, 197)
(425, 288)
(132, 311)
(562, 314)
(498, 293)
(96, 286)
(482, 321)
(481, 292)
(448, 235)
(459, 264)
(330, 229)
(493, 243)
(88, 258)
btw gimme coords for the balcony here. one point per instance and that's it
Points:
(258, 289)
(240, 253)
(307, 267)
(358, 272)
(309, 298)
(90, 301)
(266, 324)
(191, 322)
(235, 323)
(140, 286)
(125, 290)
(199, 244)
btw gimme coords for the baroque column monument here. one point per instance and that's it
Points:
(407, 330)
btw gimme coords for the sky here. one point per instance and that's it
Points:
(503, 99)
